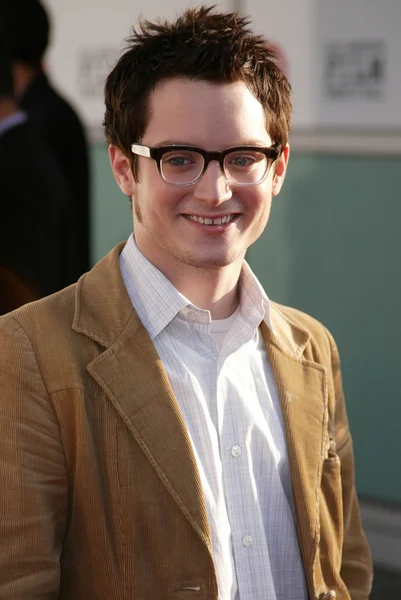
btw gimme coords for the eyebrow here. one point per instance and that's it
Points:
(261, 143)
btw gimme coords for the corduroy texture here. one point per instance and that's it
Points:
(100, 496)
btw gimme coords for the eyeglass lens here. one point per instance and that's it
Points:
(243, 167)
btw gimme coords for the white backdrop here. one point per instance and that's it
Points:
(343, 58)
(88, 37)
(291, 24)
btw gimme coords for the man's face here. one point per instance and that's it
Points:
(211, 117)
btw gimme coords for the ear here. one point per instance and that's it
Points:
(122, 171)
(281, 169)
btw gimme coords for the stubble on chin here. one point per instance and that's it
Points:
(212, 263)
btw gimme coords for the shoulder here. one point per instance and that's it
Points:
(40, 165)
(50, 316)
(69, 329)
(299, 318)
(39, 336)
(51, 113)
(318, 342)
(52, 104)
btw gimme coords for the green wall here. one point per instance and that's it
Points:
(333, 249)
(111, 211)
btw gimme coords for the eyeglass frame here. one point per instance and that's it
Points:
(157, 153)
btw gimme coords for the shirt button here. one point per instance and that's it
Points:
(236, 451)
(247, 541)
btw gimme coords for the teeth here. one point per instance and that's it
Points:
(207, 221)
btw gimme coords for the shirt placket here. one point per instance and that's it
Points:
(249, 549)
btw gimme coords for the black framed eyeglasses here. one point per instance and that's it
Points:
(184, 165)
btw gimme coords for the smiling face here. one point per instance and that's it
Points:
(175, 226)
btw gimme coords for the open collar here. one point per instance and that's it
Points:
(103, 307)
(157, 301)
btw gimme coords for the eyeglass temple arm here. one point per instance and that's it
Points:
(140, 150)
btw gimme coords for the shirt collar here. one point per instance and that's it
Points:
(12, 121)
(158, 302)
(255, 304)
(153, 296)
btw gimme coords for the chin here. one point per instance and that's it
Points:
(208, 262)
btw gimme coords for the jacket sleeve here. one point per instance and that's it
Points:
(34, 489)
(356, 571)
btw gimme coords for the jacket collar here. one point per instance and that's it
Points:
(102, 304)
(132, 376)
(103, 308)
(290, 337)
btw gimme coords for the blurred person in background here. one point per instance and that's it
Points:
(170, 432)
(27, 26)
(35, 205)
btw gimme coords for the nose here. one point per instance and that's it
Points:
(212, 186)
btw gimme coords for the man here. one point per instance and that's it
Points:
(26, 25)
(169, 432)
(35, 220)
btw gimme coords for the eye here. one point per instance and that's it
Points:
(180, 159)
(242, 160)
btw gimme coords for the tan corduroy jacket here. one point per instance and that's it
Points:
(100, 496)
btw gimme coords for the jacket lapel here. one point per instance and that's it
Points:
(132, 375)
(302, 388)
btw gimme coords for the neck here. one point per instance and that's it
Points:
(216, 289)
(23, 75)
(210, 288)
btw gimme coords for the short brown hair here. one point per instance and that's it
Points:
(201, 44)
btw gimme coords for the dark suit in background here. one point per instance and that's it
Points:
(54, 121)
(36, 232)
(25, 27)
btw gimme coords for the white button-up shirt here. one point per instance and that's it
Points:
(222, 379)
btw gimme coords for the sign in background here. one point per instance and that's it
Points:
(344, 59)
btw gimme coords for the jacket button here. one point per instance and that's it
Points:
(330, 595)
